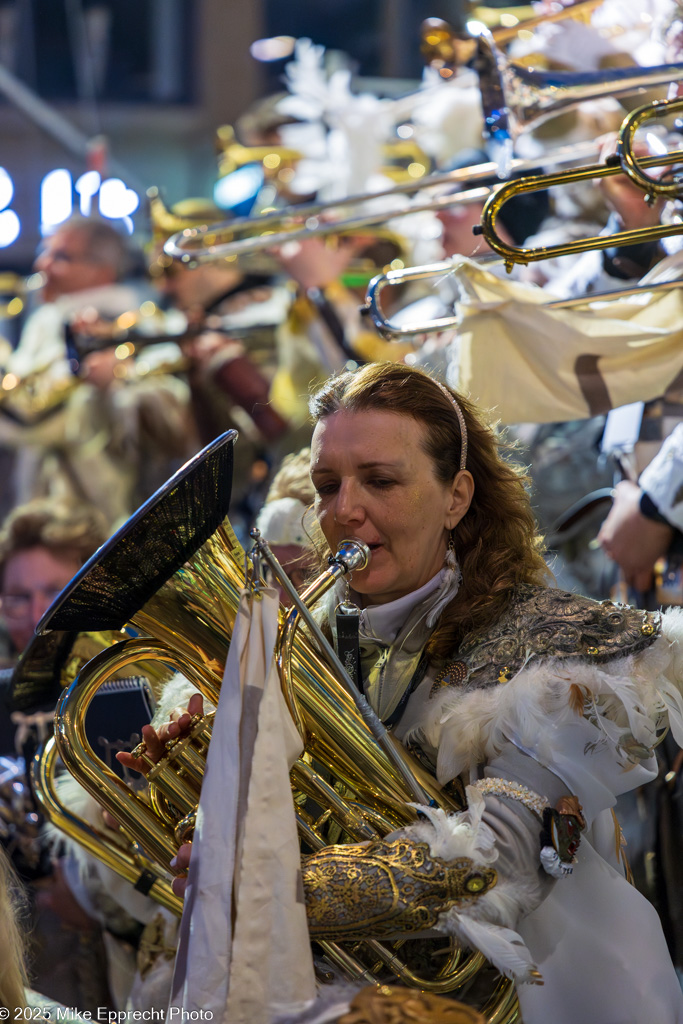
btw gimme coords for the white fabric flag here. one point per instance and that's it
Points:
(535, 364)
(244, 952)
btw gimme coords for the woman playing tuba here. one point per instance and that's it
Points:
(541, 705)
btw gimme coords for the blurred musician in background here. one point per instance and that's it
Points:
(283, 519)
(42, 545)
(110, 419)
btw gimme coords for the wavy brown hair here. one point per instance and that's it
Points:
(496, 541)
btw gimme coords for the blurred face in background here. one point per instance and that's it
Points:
(68, 266)
(458, 238)
(191, 289)
(31, 580)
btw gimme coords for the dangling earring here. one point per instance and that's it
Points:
(450, 584)
(451, 561)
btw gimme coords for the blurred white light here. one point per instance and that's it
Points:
(87, 187)
(476, 28)
(56, 200)
(6, 188)
(656, 145)
(275, 48)
(405, 131)
(10, 226)
(117, 200)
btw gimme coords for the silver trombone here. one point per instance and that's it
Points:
(223, 242)
(434, 271)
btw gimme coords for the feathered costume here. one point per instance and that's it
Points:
(561, 697)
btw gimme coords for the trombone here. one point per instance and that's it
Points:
(625, 148)
(247, 235)
(520, 254)
(624, 161)
(514, 100)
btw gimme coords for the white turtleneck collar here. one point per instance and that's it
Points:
(384, 622)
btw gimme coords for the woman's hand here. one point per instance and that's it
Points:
(630, 539)
(155, 742)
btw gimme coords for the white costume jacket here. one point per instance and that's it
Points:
(561, 696)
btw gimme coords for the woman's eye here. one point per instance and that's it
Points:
(324, 489)
(381, 483)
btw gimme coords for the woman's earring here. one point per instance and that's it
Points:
(451, 559)
(450, 583)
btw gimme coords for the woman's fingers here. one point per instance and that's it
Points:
(181, 863)
(155, 741)
(196, 704)
(154, 744)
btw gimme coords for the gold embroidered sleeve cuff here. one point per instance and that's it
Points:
(385, 888)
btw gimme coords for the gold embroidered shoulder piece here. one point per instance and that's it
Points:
(545, 623)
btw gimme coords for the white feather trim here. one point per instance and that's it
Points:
(175, 694)
(483, 923)
(627, 699)
(503, 947)
(457, 835)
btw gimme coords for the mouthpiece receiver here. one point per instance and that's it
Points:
(351, 555)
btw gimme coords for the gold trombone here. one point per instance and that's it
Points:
(514, 100)
(624, 161)
(512, 254)
(626, 150)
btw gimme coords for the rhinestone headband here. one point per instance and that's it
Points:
(461, 420)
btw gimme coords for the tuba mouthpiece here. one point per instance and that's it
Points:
(351, 555)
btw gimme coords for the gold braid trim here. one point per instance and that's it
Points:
(358, 891)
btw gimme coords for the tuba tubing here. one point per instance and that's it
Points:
(133, 813)
(351, 555)
(122, 857)
(338, 736)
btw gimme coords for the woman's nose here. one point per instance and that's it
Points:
(348, 508)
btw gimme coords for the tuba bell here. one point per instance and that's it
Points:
(173, 575)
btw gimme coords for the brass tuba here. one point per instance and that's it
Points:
(174, 574)
(49, 664)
